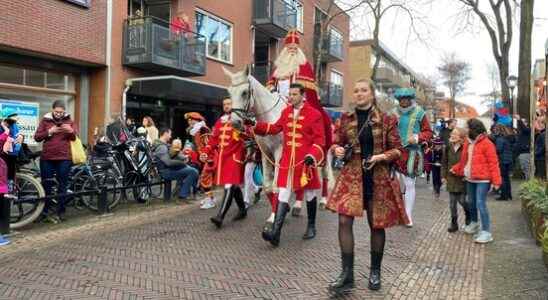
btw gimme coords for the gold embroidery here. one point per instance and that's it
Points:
(297, 135)
(291, 143)
(296, 125)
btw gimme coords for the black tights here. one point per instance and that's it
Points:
(346, 234)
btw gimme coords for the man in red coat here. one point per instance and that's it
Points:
(303, 152)
(228, 144)
(291, 66)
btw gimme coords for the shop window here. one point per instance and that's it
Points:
(55, 81)
(218, 34)
(11, 75)
(34, 78)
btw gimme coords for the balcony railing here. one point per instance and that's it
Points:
(274, 17)
(332, 45)
(261, 71)
(150, 44)
(331, 94)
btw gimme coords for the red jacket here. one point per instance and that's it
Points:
(303, 135)
(228, 143)
(57, 146)
(484, 164)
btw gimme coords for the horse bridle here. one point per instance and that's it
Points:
(246, 113)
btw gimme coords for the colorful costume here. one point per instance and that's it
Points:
(302, 141)
(227, 144)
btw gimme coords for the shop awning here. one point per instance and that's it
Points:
(178, 89)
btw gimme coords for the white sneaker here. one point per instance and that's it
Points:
(483, 237)
(472, 228)
(208, 203)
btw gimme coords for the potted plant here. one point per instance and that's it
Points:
(545, 247)
(535, 207)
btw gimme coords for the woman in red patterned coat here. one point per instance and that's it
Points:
(366, 181)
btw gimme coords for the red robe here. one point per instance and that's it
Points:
(305, 77)
(301, 136)
(228, 144)
(424, 136)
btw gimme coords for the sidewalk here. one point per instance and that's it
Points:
(174, 252)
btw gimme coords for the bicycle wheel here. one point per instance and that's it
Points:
(25, 209)
(95, 183)
(138, 194)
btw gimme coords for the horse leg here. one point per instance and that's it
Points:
(268, 186)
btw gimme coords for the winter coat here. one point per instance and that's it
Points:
(455, 184)
(57, 146)
(505, 145)
(347, 196)
(523, 139)
(3, 166)
(540, 145)
(484, 164)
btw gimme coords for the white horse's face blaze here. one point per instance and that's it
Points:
(239, 93)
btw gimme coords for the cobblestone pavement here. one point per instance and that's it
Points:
(173, 251)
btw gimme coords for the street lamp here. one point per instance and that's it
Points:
(512, 81)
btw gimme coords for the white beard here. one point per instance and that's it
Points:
(288, 64)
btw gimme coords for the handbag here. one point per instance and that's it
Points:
(77, 151)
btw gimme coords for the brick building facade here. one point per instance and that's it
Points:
(105, 56)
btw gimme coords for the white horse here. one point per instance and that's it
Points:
(250, 97)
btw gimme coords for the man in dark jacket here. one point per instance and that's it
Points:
(522, 147)
(56, 130)
(540, 152)
(174, 168)
(504, 140)
(445, 133)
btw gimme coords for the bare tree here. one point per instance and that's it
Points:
(524, 73)
(332, 11)
(498, 21)
(494, 93)
(455, 74)
(380, 8)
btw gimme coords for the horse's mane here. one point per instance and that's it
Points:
(268, 100)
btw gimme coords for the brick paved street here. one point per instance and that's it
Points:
(173, 251)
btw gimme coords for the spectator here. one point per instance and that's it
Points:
(56, 131)
(10, 158)
(4, 203)
(480, 167)
(180, 25)
(540, 148)
(174, 168)
(455, 185)
(131, 126)
(152, 131)
(445, 133)
(504, 140)
(523, 145)
(437, 153)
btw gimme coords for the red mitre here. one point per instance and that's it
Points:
(292, 37)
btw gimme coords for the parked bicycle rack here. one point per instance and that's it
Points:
(102, 203)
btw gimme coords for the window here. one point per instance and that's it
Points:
(300, 17)
(84, 3)
(319, 16)
(336, 78)
(218, 34)
(36, 78)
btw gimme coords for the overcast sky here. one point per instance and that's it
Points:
(473, 46)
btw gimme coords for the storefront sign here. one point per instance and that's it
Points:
(28, 117)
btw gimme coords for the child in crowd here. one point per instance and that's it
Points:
(437, 153)
(454, 183)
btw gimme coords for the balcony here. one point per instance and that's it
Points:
(332, 45)
(274, 17)
(149, 44)
(331, 95)
(261, 71)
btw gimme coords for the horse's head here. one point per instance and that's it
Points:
(240, 93)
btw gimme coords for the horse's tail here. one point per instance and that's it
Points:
(329, 170)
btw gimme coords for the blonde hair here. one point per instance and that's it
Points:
(460, 131)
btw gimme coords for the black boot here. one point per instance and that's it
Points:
(345, 281)
(311, 209)
(273, 236)
(225, 205)
(454, 225)
(375, 274)
(239, 199)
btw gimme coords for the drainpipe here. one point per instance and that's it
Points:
(108, 60)
(129, 82)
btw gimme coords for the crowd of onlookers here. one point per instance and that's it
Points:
(472, 162)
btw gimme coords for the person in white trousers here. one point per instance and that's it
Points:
(414, 129)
